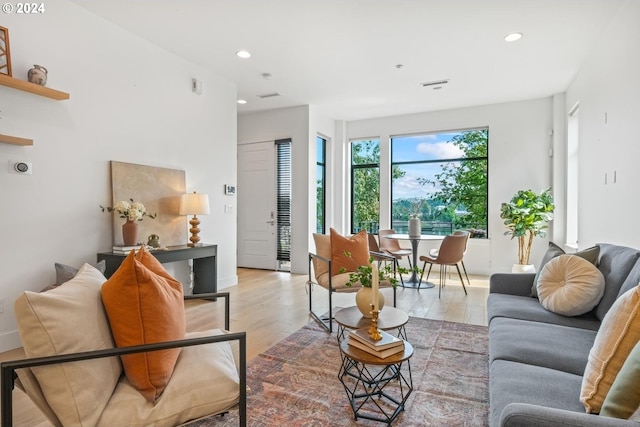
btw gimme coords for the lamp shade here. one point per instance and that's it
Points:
(194, 204)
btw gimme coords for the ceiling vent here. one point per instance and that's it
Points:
(268, 95)
(435, 84)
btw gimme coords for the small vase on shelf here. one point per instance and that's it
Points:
(130, 233)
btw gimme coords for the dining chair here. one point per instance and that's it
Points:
(378, 255)
(393, 248)
(450, 254)
(433, 253)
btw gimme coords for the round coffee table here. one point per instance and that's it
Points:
(388, 319)
(376, 388)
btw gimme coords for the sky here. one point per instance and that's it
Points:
(416, 148)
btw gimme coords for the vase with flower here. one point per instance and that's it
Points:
(132, 212)
(369, 277)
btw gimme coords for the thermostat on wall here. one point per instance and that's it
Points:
(229, 189)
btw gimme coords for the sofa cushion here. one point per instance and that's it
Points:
(356, 246)
(615, 263)
(145, 305)
(511, 382)
(553, 251)
(76, 392)
(205, 381)
(551, 346)
(570, 285)
(527, 308)
(623, 399)
(619, 333)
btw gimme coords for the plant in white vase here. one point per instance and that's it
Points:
(527, 215)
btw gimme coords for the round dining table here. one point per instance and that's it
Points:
(414, 281)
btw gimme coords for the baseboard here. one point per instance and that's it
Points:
(9, 341)
(225, 282)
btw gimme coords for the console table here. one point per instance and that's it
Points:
(205, 266)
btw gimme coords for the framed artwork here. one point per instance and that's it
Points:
(5, 55)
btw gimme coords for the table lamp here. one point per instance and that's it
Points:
(194, 204)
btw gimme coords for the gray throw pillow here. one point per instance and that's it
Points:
(590, 254)
(64, 273)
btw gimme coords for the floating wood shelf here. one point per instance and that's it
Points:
(15, 140)
(32, 88)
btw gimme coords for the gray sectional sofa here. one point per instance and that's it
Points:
(537, 358)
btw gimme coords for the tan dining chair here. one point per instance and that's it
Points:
(450, 254)
(433, 253)
(378, 255)
(393, 248)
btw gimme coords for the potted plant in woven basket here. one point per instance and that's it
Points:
(527, 215)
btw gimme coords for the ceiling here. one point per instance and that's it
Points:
(356, 59)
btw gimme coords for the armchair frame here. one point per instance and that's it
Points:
(327, 323)
(8, 368)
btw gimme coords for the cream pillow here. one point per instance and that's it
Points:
(570, 285)
(70, 319)
(617, 336)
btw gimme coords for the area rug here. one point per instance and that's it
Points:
(295, 383)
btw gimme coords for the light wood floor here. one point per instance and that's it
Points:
(270, 305)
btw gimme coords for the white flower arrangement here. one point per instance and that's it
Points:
(132, 211)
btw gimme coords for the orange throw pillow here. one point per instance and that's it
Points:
(145, 305)
(357, 246)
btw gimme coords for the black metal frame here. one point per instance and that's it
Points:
(8, 368)
(327, 323)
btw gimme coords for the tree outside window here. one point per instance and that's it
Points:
(442, 177)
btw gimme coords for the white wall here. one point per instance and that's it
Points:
(130, 101)
(519, 140)
(301, 124)
(608, 90)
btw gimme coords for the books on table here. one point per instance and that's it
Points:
(124, 250)
(387, 346)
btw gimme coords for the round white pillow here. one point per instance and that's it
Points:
(570, 285)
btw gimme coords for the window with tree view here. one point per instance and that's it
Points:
(321, 144)
(442, 178)
(365, 185)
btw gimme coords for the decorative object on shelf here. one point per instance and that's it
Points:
(38, 75)
(527, 215)
(132, 212)
(5, 54)
(194, 204)
(130, 232)
(154, 241)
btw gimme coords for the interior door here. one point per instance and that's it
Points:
(257, 205)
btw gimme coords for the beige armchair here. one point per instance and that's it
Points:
(321, 273)
(74, 375)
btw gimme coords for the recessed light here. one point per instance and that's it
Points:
(243, 54)
(241, 101)
(512, 37)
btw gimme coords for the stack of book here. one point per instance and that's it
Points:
(387, 346)
(124, 250)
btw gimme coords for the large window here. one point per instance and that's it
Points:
(321, 147)
(441, 177)
(365, 185)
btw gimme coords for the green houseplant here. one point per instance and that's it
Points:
(527, 215)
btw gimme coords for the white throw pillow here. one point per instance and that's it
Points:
(70, 319)
(570, 285)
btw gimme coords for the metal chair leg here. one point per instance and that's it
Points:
(465, 272)
(461, 281)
